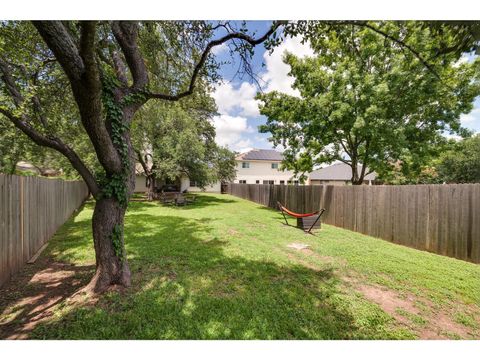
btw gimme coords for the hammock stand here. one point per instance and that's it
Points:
(314, 216)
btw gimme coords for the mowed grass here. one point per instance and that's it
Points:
(221, 269)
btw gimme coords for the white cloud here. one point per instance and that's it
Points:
(240, 99)
(472, 118)
(276, 75)
(465, 58)
(219, 49)
(236, 103)
(231, 131)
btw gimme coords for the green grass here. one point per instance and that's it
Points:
(221, 269)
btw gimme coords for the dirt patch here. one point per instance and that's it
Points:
(33, 295)
(437, 323)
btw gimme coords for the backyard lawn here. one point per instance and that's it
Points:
(222, 269)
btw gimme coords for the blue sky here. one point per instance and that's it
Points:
(237, 124)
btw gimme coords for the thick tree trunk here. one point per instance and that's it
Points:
(151, 187)
(111, 260)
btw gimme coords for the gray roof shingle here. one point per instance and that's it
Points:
(261, 154)
(338, 171)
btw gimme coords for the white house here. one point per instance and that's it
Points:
(260, 166)
(181, 184)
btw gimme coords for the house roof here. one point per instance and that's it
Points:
(338, 171)
(261, 154)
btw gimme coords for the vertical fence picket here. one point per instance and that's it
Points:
(31, 210)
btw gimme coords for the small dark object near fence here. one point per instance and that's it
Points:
(307, 222)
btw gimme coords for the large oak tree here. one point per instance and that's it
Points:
(101, 74)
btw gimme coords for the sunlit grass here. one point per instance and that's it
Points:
(221, 269)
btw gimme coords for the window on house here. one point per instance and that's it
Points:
(242, 181)
(268, 182)
(245, 165)
(193, 183)
(257, 181)
(289, 182)
(282, 182)
(274, 165)
(296, 182)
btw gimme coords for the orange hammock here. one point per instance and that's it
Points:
(284, 210)
(294, 214)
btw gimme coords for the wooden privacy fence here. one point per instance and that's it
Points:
(31, 210)
(444, 219)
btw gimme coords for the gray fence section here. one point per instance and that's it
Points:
(31, 210)
(444, 219)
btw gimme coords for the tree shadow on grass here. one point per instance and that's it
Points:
(187, 286)
(33, 294)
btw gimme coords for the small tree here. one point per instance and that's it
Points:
(365, 99)
(225, 165)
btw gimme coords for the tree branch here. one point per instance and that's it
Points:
(87, 52)
(82, 71)
(58, 145)
(392, 38)
(38, 138)
(142, 162)
(59, 40)
(10, 83)
(204, 56)
(119, 67)
(126, 33)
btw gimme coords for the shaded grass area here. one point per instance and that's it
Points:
(221, 269)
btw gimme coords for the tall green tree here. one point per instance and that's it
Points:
(92, 77)
(367, 101)
(175, 140)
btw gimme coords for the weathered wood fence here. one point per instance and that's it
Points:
(31, 210)
(444, 219)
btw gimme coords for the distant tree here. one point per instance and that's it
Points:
(461, 164)
(366, 99)
(225, 165)
(178, 139)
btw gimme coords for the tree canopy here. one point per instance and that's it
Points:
(178, 139)
(461, 163)
(366, 99)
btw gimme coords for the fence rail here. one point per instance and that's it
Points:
(444, 219)
(31, 210)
